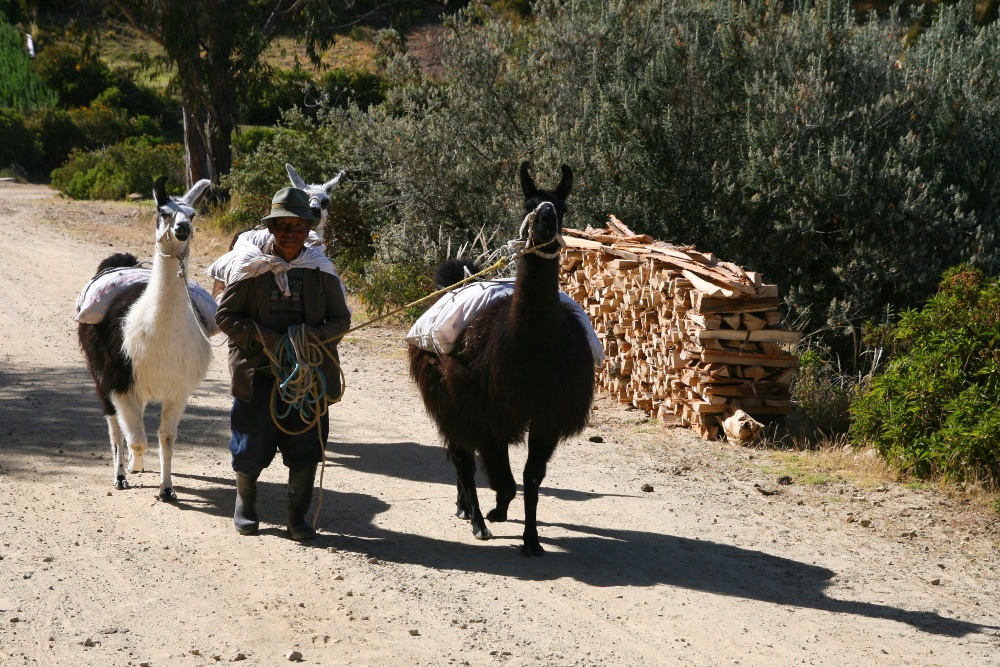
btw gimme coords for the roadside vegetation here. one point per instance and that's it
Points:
(851, 158)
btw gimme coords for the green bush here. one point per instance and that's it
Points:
(17, 142)
(935, 411)
(849, 168)
(822, 394)
(344, 86)
(286, 89)
(259, 158)
(119, 170)
(58, 135)
(20, 87)
(73, 68)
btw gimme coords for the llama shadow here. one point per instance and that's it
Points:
(622, 558)
(429, 464)
(52, 413)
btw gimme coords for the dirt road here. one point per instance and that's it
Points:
(705, 569)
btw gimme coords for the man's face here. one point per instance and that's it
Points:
(289, 236)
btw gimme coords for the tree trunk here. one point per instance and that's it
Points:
(197, 164)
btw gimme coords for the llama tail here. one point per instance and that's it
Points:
(451, 271)
(117, 261)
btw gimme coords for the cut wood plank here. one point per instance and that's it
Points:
(752, 322)
(776, 336)
(709, 304)
(748, 359)
(721, 334)
(708, 287)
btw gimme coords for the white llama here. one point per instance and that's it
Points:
(319, 198)
(151, 345)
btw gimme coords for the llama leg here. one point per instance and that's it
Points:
(465, 468)
(496, 462)
(117, 451)
(169, 418)
(129, 411)
(540, 449)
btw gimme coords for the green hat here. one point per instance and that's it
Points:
(291, 203)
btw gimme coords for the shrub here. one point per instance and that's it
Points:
(58, 135)
(343, 86)
(20, 87)
(119, 170)
(286, 89)
(259, 158)
(74, 70)
(99, 125)
(17, 142)
(849, 168)
(822, 394)
(935, 411)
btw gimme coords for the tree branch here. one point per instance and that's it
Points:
(279, 16)
(138, 27)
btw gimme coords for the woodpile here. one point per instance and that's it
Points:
(688, 338)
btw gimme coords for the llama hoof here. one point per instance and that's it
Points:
(530, 550)
(496, 516)
(483, 534)
(167, 495)
(463, 515)
(121, 483)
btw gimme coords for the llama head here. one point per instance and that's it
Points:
(319, 195)
(175, 216)
(547, 206)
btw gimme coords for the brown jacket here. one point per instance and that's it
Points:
(249, 301)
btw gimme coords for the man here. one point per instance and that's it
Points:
(272, 289)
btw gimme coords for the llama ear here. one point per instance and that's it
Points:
(192, 195)
(527, 184)
(566, 184)
(160, 191)
(332, 184)
(294, 177)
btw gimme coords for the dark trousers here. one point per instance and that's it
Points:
(256, 438)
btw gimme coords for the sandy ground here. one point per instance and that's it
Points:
(705, 569)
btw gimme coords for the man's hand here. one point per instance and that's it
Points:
(314, 333)
(268, 337)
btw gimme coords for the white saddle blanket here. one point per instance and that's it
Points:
(98, 295)
(438, 329)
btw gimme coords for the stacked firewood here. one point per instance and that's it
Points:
(688, 338)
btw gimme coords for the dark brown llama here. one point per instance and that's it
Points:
(523, 365)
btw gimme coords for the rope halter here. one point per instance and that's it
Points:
(527, 242)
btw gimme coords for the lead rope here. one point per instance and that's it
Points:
(297, 356)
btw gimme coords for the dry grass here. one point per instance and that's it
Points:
(349, 53)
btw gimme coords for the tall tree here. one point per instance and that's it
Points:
(216, 49)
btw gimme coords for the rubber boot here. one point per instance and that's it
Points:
(245, 518)
(300, 491)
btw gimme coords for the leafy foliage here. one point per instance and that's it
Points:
(119, 170)
(17, 142)
(20, 87)
(73, 68)
(935, 411)
(58, 134)
(822, 394)
(847, 167)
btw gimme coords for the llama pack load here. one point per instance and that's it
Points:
(104, 289)
(442, 324)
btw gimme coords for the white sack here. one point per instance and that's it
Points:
(98, 295)
(438, 329)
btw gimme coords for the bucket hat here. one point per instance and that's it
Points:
(291, 203)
